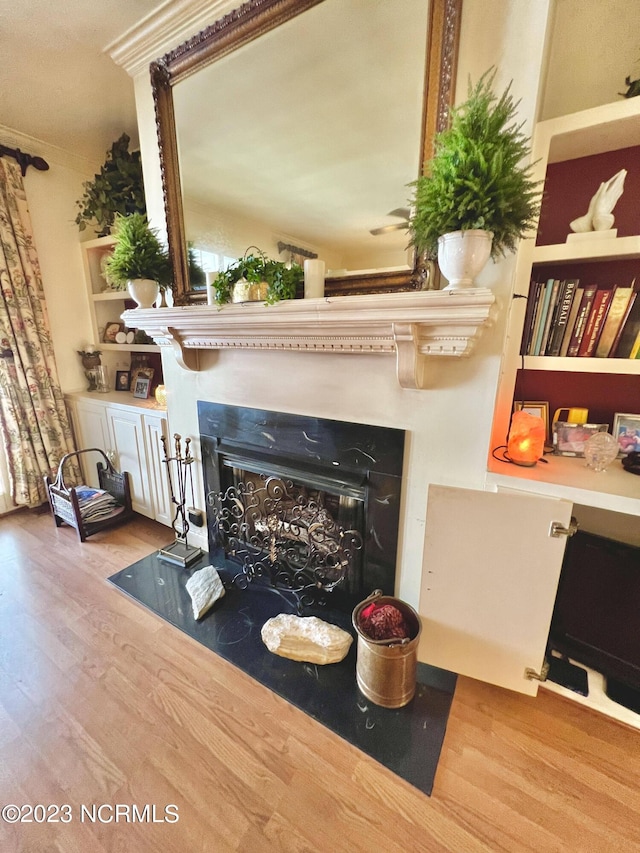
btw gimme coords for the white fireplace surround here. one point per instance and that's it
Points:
(412, 326)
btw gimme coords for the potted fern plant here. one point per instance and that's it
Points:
(476, 198)
(255, 277)
(139, 261)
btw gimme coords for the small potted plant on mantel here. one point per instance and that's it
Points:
(139, 261)
(255, 277)
(476, 198)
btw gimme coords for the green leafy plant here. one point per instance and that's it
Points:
(118, 188)
(476, 179)
(138, 253)
(282, 280)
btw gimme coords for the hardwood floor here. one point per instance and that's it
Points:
(102, 703)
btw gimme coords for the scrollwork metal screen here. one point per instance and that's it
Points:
(288, 533)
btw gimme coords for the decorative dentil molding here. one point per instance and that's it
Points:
(412, 326)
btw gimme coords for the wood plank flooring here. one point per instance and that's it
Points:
(102, 703)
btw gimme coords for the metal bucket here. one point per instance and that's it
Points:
(386, 669)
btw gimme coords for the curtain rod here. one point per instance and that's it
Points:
(24, 160)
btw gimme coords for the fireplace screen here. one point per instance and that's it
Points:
(306, 503)
(297, 535)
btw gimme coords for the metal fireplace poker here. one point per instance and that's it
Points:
(179, 552)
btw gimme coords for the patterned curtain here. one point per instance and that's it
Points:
(34, 425)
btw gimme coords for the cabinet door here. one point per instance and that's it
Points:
(155, 426)
(128, 440)
(489, 581)
(92, 431)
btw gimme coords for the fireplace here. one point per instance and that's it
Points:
(303, 503)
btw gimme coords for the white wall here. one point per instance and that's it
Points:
(594, 46)
(51, 197)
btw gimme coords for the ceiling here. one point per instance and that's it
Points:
(56, 83)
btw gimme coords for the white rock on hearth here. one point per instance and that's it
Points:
(305, 638)
(205, 588)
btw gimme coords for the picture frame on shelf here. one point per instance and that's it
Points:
(142, 387)
(539, 408)
(123, 380)
(569, 439)
(140, 372)
(626, 431)
(111, 331)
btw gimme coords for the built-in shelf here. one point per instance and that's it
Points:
(108, 295)
(597, 699)
(129, 347)
(569, 478)
(412, 326)
(627, 366)
(594, 249)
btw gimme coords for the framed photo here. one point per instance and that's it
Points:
(538, 408)
(123, 380)
(569, 439)
(110, 332)
(626, 430)
(137, 372)
(142, 387)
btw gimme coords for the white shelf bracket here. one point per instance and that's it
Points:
(188, 359)
(410, 363)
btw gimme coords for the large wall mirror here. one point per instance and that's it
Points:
(297, 126)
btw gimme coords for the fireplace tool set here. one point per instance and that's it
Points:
(178, 473)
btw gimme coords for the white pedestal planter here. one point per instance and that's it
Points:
(462, 255)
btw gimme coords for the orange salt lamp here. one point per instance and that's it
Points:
(525, 444)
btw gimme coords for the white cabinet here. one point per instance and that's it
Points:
(155, 428)
(126, 429)
(105, 305)
(130, 435)
(487, 596)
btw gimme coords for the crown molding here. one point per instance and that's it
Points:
(51, 153)
(163, 30)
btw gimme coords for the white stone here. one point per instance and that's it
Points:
(205, 588)
(305, 638)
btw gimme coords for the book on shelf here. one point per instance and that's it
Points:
(541, 318)
(551, 313)
(629, 330)
(595, 322)
(561, 316)
(530, 316)
(581, 320)
(575, 307)
(635, 349)
(537, 313)
(615, 315)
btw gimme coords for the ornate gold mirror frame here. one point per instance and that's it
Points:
(243, 25)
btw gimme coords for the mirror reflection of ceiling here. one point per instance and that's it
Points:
(313, 129)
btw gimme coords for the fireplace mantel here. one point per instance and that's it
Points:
(412, 326)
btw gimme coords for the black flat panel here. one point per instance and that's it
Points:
(406, 740)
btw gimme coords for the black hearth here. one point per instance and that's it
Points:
(351, 475)
(308, 503)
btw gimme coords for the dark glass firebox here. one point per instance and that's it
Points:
(305, 503)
